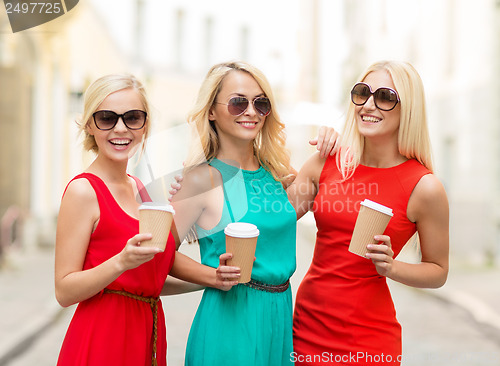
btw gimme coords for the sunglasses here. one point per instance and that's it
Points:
(238, 105)
(385, 99)
(107, 120)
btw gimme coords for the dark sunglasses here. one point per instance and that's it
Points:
(385, 99)
(133, 120)
(238, 105)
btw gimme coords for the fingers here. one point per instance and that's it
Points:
(136, 239)
(135, 248)
(335, 140)
(175, 187)
(381, 254)
(327, 141)
(226, 276)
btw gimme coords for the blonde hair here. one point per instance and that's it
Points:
(269, 146)
(413, 134)
(95, 95)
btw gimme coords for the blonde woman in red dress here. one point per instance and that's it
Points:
(344, 314)
(100, 263)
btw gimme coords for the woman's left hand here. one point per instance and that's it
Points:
(327, 142)
(381, 255)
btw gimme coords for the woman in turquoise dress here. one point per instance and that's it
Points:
(239, 172)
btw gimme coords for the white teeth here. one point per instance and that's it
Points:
(370, 119)
(120, 142)
(248, 124)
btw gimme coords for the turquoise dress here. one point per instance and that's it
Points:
(248, 326)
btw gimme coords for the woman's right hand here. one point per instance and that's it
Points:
(226, 276)
(133, 255)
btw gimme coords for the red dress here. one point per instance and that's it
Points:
(344, 314)
(109, 328)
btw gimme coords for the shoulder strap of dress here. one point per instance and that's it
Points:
(221, 167)
(330, 169)
(212, 183)
(411, 173)
(143, 193)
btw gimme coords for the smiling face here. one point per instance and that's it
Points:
(373, 122)
(246, 126)
(119, 143)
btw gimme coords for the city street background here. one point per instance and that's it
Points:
(312, 52)
(436, 331)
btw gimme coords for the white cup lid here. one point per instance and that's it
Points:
(157, 206)
(241, 230)
(377, 207)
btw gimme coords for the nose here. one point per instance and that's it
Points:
(120, 125)
(250, 111)
(370, 103)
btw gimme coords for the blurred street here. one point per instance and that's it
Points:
(455, 325)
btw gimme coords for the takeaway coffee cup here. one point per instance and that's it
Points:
(372, 220)
(241, 241)
(155, 218)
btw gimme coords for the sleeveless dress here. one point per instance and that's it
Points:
(109, 328)
(246, 326)
(344, 314)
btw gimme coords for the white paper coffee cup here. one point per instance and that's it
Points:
(241, 241)
(155, 218)
(372, 220)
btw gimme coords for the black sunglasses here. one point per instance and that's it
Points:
(133, 120)
(385, 99)
(238, 105)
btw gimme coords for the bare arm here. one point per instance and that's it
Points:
(428, 207)
(303, 190)
(186, 269)
(194, 203)
(78, 215)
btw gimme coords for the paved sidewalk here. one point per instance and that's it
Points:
(476, 291)
(28, 306)
(27, 301)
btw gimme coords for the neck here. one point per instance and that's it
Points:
(381, 155)
(242, 155)
(110, 171)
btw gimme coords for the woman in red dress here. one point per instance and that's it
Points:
(100, 262)
(344, 314)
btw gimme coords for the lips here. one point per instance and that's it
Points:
(248, 124)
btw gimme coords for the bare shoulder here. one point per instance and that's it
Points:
(429, 188)
(79, 203)
(198, 181)
(202, 178)
(80, 190)
(428, 196)
(313, 167)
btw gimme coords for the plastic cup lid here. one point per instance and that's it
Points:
(377, 207)
(241, 230)
(157, 206)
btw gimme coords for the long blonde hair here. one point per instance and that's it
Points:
(269, 146)
(413, 135)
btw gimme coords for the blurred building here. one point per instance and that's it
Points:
(455, 45)
(312, 52)
(43, 73)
